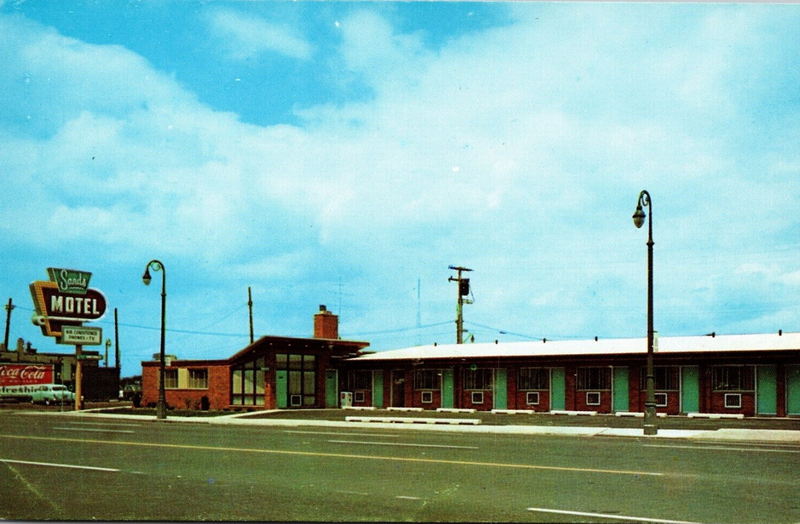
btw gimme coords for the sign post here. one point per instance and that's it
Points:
(78, 378)
(62, 305)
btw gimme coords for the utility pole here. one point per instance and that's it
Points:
(9, 307)
(463, 291)
(116, 341)
(250, 307)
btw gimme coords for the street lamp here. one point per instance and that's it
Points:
(161, 407)
(650, 426)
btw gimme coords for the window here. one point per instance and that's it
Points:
(362, 380)
(661, 400)
(533, 378)
(665, 378)
(734, 378)
(247, 382)
(427, 397)
(478, 379)
(477, 397)
(592, 398)
(426, 379)
(170, 379)
(532, 398)
(301, 379)
(594, 378)
(733, 400)
(198, 379)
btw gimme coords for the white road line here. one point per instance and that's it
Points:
(359, 493)
(724, 448)
(400, 444)
(608, 516)
(97, 430)
(340, 434)
(52, 465)
(105, 424)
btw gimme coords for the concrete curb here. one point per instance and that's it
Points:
(776, 436)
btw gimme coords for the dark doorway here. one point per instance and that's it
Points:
(398, 388)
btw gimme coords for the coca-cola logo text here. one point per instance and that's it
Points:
(19, 374)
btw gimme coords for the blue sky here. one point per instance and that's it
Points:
(347, 153)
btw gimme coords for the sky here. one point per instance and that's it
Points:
(347, 154)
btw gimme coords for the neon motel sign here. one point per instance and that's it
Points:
(65, 300)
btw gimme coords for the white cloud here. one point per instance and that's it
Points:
(509, 151)
(246, 36)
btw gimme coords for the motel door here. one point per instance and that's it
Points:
(766, 390)
(398, 388)
(500, 390)
(793, 390)
(331, 388)
(281, 390)
(448, 392)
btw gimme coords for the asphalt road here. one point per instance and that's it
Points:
(69, 468)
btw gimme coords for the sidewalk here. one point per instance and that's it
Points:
(771, 436)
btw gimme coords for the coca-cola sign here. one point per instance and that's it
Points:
(25, 374)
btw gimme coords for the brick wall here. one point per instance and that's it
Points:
(436, 397)
(520, 399)
(488, 400)
(673, 402)
(748, 408)
(217, 394)
(605, 402)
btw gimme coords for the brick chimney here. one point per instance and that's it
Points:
(326, 324)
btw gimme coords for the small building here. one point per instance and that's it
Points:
(748, 375)
(272, 372)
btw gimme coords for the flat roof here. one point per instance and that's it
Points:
(609, 346)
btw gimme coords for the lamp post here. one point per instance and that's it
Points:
(650, 426)
(161, 407)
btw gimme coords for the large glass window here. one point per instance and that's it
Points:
(598, 378)
(533, 379)
(301, 387)
(665, 378)
(734, 378)
(426, 379)
(247, 382)
(478, 378)
(359, 380)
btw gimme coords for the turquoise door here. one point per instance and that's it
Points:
(377, 388)
(558, 389)
(500, 392)
(281, 393)
(619, 402)
(793, 390)
(448, 392)
(690, 389)
(331, 388)
(766, 390)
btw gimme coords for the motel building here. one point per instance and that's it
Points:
(749, 375)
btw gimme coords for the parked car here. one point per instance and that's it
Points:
(51, 394)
